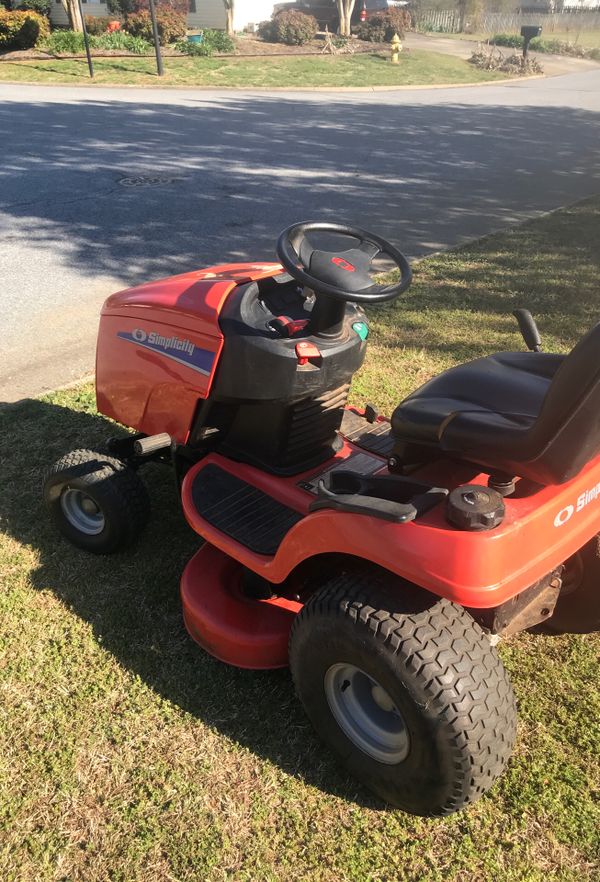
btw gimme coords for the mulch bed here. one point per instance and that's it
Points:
(246, 47)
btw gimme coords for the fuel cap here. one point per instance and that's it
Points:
(474, 507)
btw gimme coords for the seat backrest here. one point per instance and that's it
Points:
(567, 430)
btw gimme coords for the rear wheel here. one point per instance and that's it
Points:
(407, 689)
(578, 608)
(98, 502)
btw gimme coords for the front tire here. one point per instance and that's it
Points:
(407, 689)
(98, 502)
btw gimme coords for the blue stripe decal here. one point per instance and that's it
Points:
(175, 348)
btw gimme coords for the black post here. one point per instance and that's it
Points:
(159, 62)
(526, 43)
(86, 40)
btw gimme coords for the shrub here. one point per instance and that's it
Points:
(22, 29)
(97, 24)
(266, 31)
(538, 44)
(42, 7)
(219, 41)
(291, 27)
(212, 41)
(381, 27)
(171, 25)
(121, 40)
(66, 42)
(513, 41)
(488, 57)
(199, 50)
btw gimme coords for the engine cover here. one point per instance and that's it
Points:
(159, 346)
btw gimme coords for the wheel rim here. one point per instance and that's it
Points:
(82, 512)
(366, 713)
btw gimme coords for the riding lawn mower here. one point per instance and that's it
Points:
(382, 559)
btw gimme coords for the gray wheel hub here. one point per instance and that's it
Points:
(82, 512)
(366, 713)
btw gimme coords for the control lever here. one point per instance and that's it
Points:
(528, 329)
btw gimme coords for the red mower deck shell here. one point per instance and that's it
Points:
(150, 386)
(475, 569)
(241, 631)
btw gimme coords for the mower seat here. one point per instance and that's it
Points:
(527, 414)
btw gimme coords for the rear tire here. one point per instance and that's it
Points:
(97, 501)
(577, 611)
(430, 716)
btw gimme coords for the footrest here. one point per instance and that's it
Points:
(376, 437)
(242, 511)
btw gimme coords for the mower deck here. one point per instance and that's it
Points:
(245, 632)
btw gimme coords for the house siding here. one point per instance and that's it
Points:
(205, 14)
(208, 14)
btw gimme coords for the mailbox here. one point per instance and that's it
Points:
(528, 32)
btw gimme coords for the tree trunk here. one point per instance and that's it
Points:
(229, 16)
(345, 8)
(462, 14)
(71, 7)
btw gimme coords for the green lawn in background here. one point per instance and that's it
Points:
(129, 755)
(415, 68)
(584, 37)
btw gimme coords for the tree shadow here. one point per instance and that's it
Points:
(424, 174)
(131, 600)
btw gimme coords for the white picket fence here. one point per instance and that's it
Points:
(448, 21)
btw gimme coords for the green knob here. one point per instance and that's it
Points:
(362, 329)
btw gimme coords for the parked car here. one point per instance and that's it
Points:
(325, 11)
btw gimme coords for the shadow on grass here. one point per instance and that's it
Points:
(131, 600)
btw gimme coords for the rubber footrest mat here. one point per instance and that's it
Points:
(241, 510)
(376, 437)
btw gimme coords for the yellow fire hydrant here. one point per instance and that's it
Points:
(396, 49)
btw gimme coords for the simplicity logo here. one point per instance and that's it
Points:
(566, 513)
(174, 348)
(155, 339)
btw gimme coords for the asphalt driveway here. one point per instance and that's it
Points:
(101, 188)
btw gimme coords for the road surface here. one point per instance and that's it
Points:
(101, 188)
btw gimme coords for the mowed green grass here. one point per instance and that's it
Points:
(415, 68)
(129, 755)
(588, 37)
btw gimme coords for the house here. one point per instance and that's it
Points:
(202, 14)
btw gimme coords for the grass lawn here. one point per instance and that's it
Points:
(584, 37)
(415, 68)
(127, 754)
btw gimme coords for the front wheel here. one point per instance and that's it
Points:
(407, 689)
(98, 502)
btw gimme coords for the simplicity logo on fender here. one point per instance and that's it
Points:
(175, 348)
(566, 513)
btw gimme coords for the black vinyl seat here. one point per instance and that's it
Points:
(528, 414)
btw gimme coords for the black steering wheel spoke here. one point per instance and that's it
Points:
(344, 274)
(369, 248)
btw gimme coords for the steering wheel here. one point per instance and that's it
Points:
(340, 275)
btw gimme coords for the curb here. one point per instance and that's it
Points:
(277, 89)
